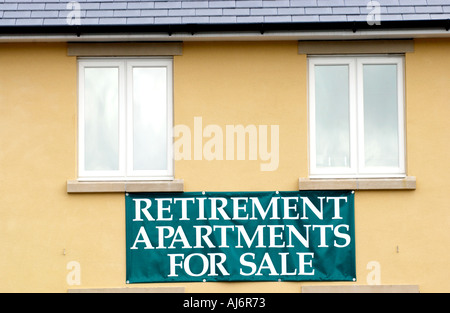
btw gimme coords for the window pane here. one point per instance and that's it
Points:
(149, 118)
(332, 116)
(101, 118)
(380, 115)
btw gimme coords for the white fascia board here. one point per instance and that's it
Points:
(235, 36)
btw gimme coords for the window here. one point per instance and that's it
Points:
(356, 117)
(125, 119)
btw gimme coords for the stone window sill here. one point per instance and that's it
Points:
(407, 183)
(75, 186)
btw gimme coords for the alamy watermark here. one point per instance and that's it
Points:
(73, 277)
(74, 15)
(374, 276)
(234, 142)
(374, 15)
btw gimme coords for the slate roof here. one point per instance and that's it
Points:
(179, 12)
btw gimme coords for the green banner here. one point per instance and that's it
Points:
(240, 236)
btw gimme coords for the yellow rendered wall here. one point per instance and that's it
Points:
(43, 229)
(246, 84)
(37, 154)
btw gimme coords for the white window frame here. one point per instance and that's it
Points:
(125, 171)
(357, 168)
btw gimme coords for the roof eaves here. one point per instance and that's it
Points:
(193, 29)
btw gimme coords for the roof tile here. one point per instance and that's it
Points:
(144, 12)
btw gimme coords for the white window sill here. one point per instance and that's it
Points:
(406, 183)
(75, 186)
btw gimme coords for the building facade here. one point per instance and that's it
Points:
(250, 96)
